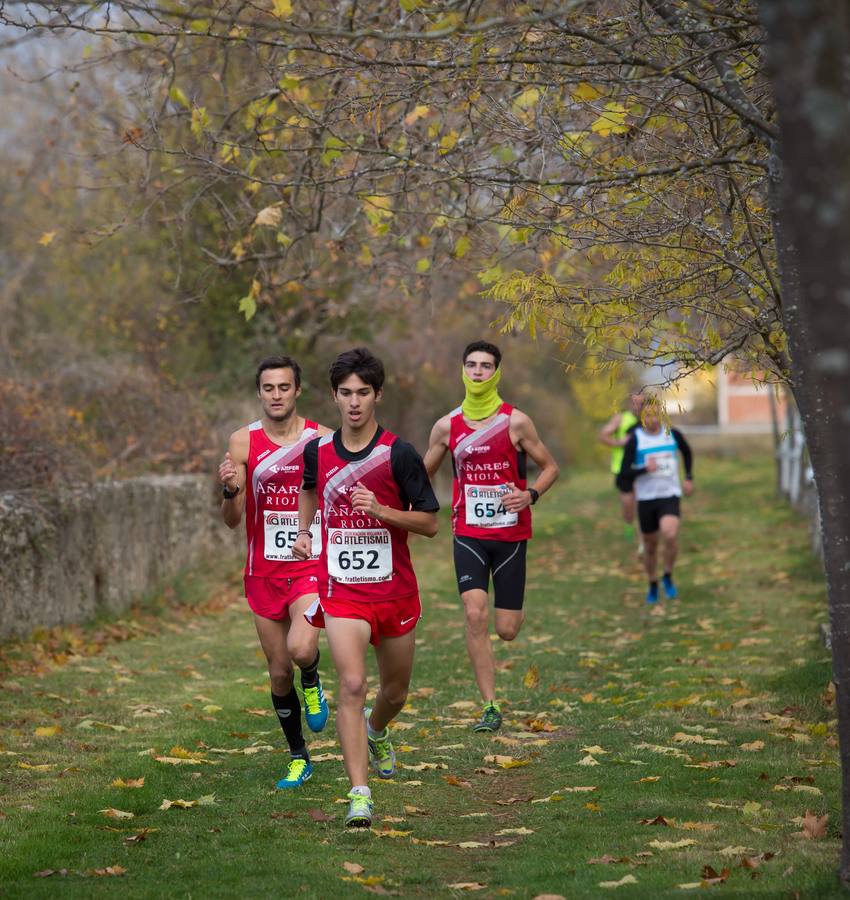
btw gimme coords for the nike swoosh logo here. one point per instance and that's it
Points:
(405, 621)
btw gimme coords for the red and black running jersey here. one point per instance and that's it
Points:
(271, 505)
(485, 461)
(364, 559)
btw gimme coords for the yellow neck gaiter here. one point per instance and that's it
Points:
(482, 397)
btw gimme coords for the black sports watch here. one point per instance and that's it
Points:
(228, 494)
(534, 495)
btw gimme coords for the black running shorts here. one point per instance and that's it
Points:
(623, 484)
(475, 560)
(650, 512)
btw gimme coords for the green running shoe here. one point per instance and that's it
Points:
(359, 811)
(381, 753)
(315, 707)
(491, 719)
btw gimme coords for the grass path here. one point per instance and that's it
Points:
(706, 720)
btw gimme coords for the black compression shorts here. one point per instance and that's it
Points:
(650, 512)
(475, 560)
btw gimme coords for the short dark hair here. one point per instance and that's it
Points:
(279, 362)
(360, 362)
(483, 347)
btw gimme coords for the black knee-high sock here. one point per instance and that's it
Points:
(310, 674)
(288, 711)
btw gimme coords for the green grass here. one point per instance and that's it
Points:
(741, 643)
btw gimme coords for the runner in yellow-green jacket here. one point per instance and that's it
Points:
(615, 433)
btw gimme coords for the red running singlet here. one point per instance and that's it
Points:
(363, 559)
(485, 461)
(271, 509)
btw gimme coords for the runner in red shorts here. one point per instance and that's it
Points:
(261, 476)
(371, 490)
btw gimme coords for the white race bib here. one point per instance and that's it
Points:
(666, 464)
(484, 506)
(281, 530)
(360, 555)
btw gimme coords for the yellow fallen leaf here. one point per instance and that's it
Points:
(325, 757)
(430, 843)
(649, 779)
(507, 762)
(392, 833)
(43, 767)
(697, 826)
(129, 783)
(46, 238)
(594, 751)
(587, 761)
(212, 708)
(532, 677)
(108, 870)
(516, 831)
(393, 820)
(626, 879)
(467, 886)
(48, 731)
(423, 767)
(672, 845)
(117, 813)
(735, 851)
(414, 810)
(369, 880)
(690, 885)
(463, 704)
(180, 761)
(206, 800)
(681, 738)
(753, 747)
(471, 845)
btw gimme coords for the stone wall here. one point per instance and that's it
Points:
(68, 556)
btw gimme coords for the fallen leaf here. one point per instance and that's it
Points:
(129, 783)
(471, 845)
(651, 779)
(211, 708)
(43, 767)
(735, 851)
(318, 816)
(107, 871)
(532, 677)
(626, 879)
(457, 782)
(814, 826)
(602, 860)
(117, 813)
(594, 751)
(391, 833)
(658, 820)
(414, 811)
(463, 704)
(181, 761)
(710, 876)
(681, 738)
(393, 820)
(515, 831)
(46, 873)
(139, 836)
(44, 240)
(697, 826)
(587, 761)
(430, 843)
(48, 731)
(206, 800)
(507, 762)
(423, 767)
(467, 886)
(353, 868)
(753, 747)
(672, 845)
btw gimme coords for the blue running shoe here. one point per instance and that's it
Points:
(652, 593)
(381, 753)
(315, 707)
(669, 588)
(299, 771)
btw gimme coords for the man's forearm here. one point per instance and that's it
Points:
(424, 523)
(307, 504)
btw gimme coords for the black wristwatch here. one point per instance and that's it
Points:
(534, 495)
(228, 494)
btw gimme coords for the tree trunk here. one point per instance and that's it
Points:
(809, 58)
